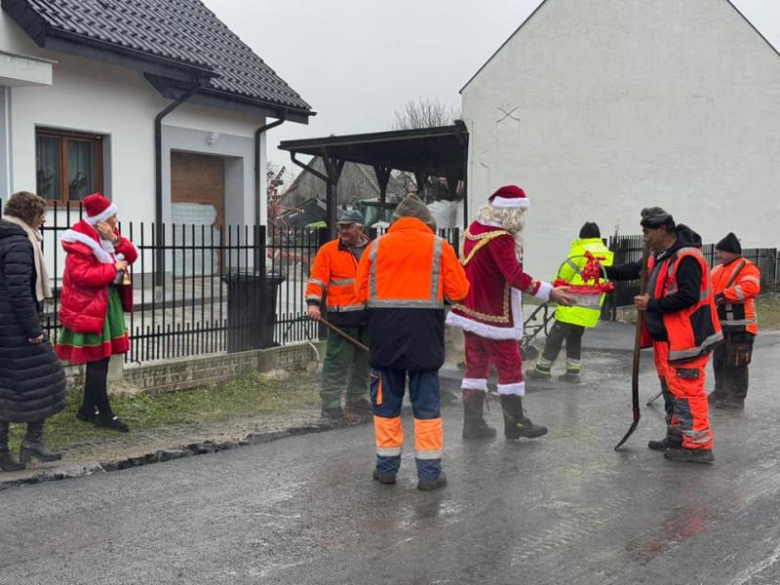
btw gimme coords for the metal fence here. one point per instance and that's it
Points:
(205, 289)
(629, 249)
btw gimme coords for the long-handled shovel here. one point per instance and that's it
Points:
(637, 343)
(343, 334)
(654, 398)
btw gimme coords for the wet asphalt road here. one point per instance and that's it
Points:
(563, 509)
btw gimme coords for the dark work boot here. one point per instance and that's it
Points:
(664, 444)
(7, 462)
(334, 413)
(428, 485)
(474, 426)
(359, 411)
(537, 374)
(33, 445)
(570, 377)
(516, 424)
(730, 403)
(384, 478)
(689, 455)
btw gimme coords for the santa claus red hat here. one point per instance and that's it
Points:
(509, 197)
(98, 208)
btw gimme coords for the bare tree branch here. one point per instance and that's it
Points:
(424, 113)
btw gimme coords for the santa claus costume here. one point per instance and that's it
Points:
(491, 315)
(95, 296)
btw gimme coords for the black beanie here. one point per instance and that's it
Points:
(590, 230)
(729, 244)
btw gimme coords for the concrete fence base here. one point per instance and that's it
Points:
(193, 372)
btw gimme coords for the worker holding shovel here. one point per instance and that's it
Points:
(681, 324)
(331, 289)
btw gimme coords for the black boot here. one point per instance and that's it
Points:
(690, 455)
(33, 445)
(516, 424)
(664, 444)
(474, 426)
(7, 462)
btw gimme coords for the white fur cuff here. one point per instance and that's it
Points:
(516, 389)
(474, 384)
(543, 294)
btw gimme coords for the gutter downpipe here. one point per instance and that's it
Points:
(259, 232)
(158, 202)
(258, 133)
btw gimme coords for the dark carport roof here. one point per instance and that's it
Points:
(440, 151)
(180, 35)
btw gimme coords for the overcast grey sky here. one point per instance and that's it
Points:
(358, 61)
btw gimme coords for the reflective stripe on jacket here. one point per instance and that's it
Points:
(405, 277)
(570, 272)
(692, 331)
(333, 276)
(738, 313)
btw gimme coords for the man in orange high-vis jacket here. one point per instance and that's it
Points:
(682, 322)
(736, 282)
(405, 278)
(333, 277)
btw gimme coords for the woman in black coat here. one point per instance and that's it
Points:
(32, 381)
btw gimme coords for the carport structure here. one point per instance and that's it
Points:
(426, 152)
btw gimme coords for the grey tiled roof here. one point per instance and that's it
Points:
(182, 31)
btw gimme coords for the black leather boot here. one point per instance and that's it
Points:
(474, 426)
(516, 424)
(33, 445)
(7, 462)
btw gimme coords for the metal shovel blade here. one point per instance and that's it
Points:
(631, 430)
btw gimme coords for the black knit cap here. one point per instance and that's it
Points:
(590, 230)
(729, 244)
(655, 217)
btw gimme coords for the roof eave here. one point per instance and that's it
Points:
(215, 98)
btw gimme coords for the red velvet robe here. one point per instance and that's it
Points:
(492, 308)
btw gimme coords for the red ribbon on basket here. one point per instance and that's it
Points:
(591, 272)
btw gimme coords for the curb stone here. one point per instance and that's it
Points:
(162, 455)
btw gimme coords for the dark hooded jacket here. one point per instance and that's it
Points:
(688, 279)
(32, 381)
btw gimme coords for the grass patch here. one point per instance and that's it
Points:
(768, 311)
(248, 395)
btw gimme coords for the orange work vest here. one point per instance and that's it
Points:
(739, 282)
(695, 330)
(410, 268)
(333, 275)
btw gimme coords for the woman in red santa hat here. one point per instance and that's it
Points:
(96, 293)
(491, 315)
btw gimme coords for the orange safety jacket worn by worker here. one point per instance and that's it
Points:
(333, 276)
(692, 331)
(405, 277)
(737, 283)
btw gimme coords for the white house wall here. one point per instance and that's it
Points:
(601, 108)
(94, 97)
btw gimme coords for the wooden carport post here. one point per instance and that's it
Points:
(333, 168)
(383, 178)
(421, 177)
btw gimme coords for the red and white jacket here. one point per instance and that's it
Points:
(493, 308)
(89, 270)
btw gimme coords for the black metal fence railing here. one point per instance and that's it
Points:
(205, 289)
(629, 249)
